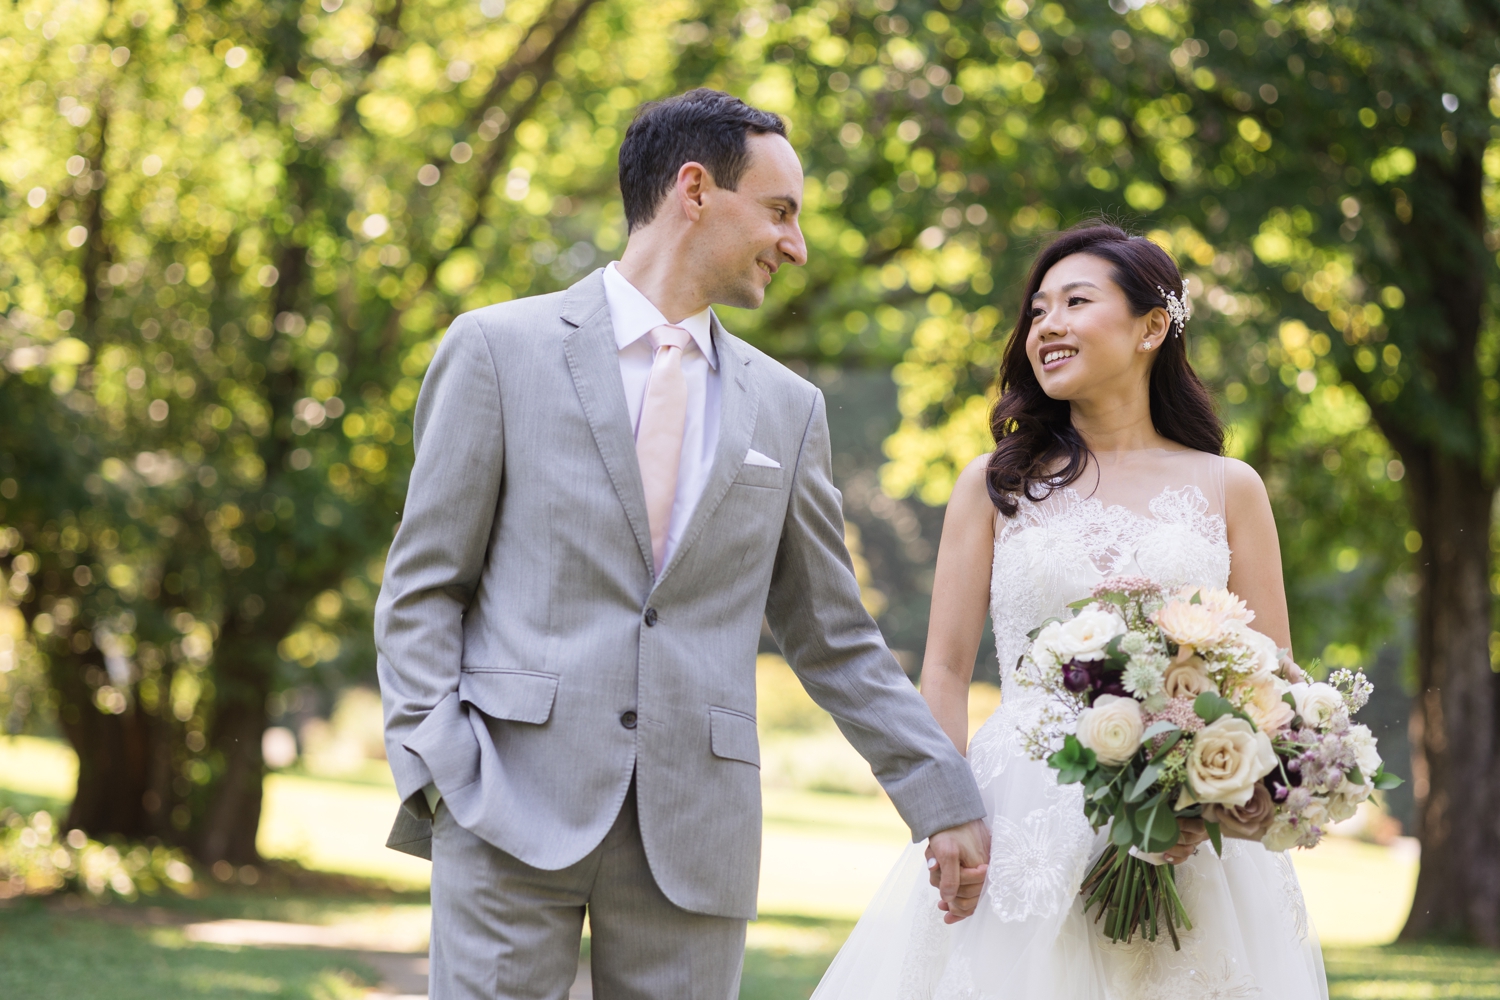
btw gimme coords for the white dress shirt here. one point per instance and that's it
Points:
(633, 316)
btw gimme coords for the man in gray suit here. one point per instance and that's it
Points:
(610, 491)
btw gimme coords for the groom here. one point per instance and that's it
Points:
(610, 491)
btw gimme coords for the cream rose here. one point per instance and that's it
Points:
(1086, 636)
(1187, 624)
(1317, 703)
(1112, 729)
(1266, 706)
(1187, 679)
(1226, 760)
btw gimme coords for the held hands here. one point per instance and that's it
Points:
(958, 859)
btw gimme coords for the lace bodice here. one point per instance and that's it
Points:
(1053, 552)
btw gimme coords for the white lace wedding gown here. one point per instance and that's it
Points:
(1154, 513)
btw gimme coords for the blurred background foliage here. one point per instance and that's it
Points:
(232, 233)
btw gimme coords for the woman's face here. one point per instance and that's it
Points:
(1084, 336)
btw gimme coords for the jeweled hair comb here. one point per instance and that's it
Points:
(1178, 307)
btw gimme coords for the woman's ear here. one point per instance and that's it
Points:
(1157, 326)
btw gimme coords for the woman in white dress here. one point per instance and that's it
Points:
(1107, 464)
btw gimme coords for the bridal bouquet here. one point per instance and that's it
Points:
(1168, 706)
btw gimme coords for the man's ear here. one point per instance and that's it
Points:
(693, 182)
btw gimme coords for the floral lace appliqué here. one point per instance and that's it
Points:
(1036, 865)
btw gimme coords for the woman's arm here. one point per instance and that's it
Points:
(960, 601)
(1255, 561)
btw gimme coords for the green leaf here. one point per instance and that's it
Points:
(1162, 833)
(1385, 780)
(1080, 605)
(1290, 699)
(1167, 746)
(1144, 782)
(1197, 597)
(1215, 837)
(1121, 834)
(1354, 775)
(1157, 728)
(1210, 707)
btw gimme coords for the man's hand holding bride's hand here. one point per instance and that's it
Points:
(958, 859)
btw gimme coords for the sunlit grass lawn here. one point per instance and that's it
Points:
(824, 856)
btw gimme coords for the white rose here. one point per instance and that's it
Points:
(1366, 757)
(1112, 729)
(1086, 636)
(1345, 803)
(1317, 703)
(1226, 760)
(1282, 835)
(1045, 650)
(1265, 657)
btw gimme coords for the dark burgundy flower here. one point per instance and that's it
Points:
(1077, 677)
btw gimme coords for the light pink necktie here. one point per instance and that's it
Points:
(658, 437)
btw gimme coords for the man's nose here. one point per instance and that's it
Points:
(793, 247)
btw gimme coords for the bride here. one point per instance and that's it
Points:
(1107, 463)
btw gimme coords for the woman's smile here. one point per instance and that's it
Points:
(1054, 358)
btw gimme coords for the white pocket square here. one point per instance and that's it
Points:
(753, 457)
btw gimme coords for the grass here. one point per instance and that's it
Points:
(53, 952)
(824, 855)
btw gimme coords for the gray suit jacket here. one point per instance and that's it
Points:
(529, 661)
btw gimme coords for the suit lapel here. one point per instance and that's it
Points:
(738, 401)
(594, 361)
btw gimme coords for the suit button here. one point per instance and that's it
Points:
(628, 720)
(650, 617)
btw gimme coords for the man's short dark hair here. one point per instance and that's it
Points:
(702, 126)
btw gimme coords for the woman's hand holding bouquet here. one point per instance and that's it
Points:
(1169, 707)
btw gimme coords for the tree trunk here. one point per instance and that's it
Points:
(124, 759)
(1453, 718)
(228, 828)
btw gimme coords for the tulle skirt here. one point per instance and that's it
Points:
(1030, 938)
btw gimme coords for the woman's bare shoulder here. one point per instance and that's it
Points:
(1242, 483)
(971, 493)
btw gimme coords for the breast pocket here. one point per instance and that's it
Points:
(760, 475)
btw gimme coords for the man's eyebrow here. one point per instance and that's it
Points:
(1067, 288)
(790, 200)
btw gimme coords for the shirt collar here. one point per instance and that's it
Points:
(634, 316)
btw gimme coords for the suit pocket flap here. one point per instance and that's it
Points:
(759, 475)
(732, 736)
(514, 695)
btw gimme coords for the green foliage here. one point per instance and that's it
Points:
(36, 860)
(232, 235)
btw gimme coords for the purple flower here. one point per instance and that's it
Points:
(1077, 677)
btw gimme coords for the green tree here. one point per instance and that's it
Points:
(1325, 172)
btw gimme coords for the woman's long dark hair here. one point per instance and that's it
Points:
(1034, 432)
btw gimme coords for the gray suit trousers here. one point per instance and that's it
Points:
(503, 930)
